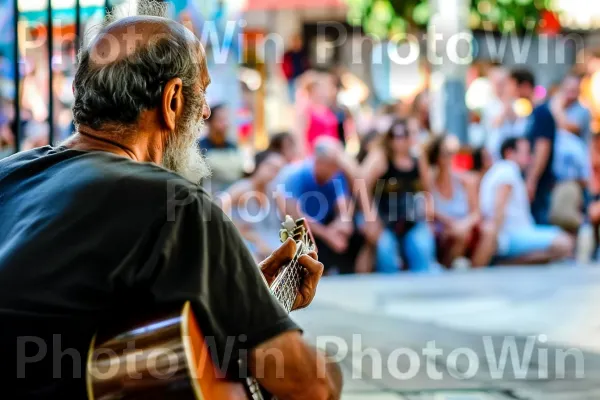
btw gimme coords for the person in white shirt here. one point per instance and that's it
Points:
(504, 200)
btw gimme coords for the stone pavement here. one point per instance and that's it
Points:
(548, 316)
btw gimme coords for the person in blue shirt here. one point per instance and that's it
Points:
(541, 132)
(318, 190)
(570, 115)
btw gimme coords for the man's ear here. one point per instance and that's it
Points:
(172, 102)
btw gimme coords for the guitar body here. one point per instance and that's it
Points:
(166, 358)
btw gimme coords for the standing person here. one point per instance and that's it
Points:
(317, 119)
(250, 203)
(541, 132)
(295, 63)
(126, 182)
(498, 115)
(398, 184)
(461, 231)
(594, 189)
(570, 115)
(223, 156)
(504, 202)
(571, 162)
(342, 114)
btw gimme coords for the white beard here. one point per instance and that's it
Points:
(183, 156)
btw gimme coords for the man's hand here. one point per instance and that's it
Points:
(313, 270)
(335, 239)
(342, 227)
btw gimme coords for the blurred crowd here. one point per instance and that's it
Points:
(404, 200)
(382, 191)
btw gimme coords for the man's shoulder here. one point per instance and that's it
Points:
(502, 170)
(297, 170)
(543, 110)
(95, 171)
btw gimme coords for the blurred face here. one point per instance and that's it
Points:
(446, 155)
(571, 89)
(269, 168)
(289, 150)
(522, 154)
(400, 140)
(512, 88)
(219, 123)
(515, 90)
(325, 169)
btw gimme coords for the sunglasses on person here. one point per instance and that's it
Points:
(399, 132)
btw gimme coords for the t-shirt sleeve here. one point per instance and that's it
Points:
(584, 120)
(200, 256)
(542, 125)
(293, 184)
(507, 174)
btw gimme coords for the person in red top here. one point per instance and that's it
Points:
(315, 117)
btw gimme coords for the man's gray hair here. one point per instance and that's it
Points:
(114, 93)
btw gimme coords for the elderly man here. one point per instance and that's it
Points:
(112, 223)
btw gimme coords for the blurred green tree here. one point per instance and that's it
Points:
(387, 17)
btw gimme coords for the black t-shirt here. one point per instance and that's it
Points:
(87, 238)
(543, 126)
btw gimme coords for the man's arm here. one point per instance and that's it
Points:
(543, 131)
(541, 155)
(199, 256)
(502, 196)
(302, 372)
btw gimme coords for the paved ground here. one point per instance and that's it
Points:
(548, 316)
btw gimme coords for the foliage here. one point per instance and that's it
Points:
(387, 17)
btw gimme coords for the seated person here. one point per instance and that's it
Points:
(397, 184)
(250, 203)
(316, 189)
(223, 156)
(504, 202)
(460, 230)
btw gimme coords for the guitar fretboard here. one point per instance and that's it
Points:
(285, 287)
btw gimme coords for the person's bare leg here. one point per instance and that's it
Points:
(562, 247)
(457, 249)
(538, 257)
(486, 247)
(365, 260)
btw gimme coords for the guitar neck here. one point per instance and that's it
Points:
(286, 285)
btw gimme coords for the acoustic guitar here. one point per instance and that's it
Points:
(168, 357)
